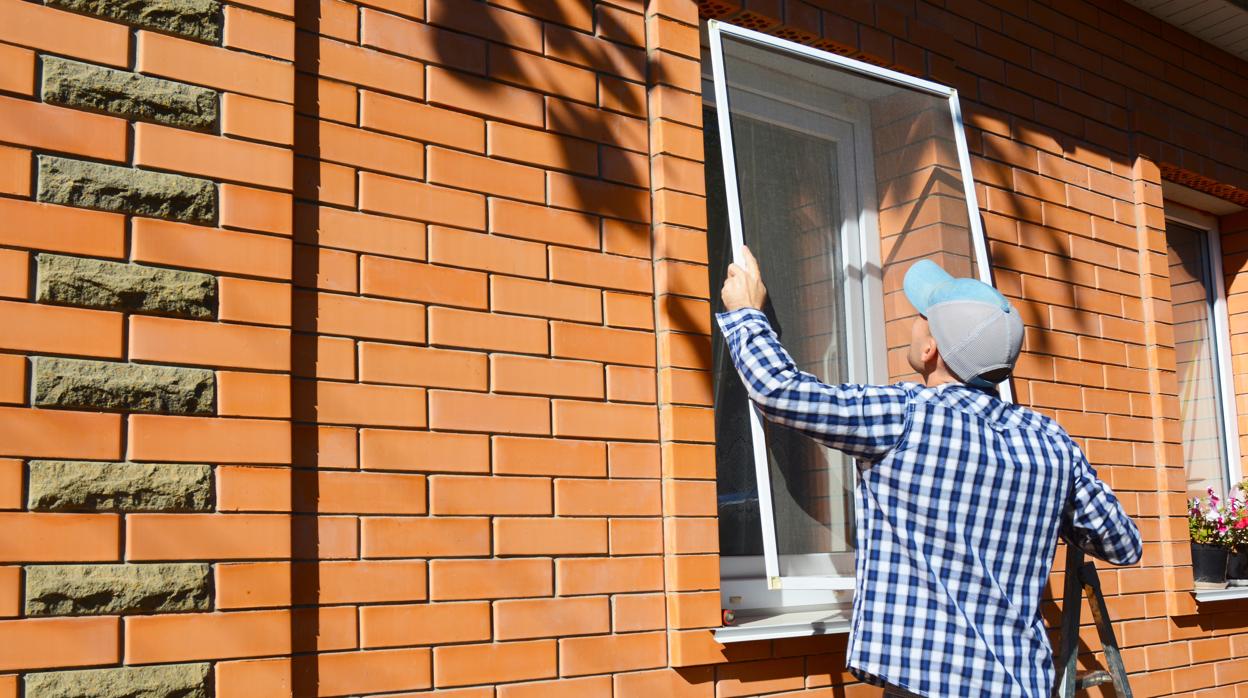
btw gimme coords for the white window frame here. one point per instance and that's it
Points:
(810, 605)
(1193, 218)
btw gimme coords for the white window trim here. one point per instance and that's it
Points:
(1222, 334)
(791, 623)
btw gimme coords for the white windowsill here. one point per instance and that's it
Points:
(779, 625)
(1226, 594)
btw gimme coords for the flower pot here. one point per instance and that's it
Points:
(1209, 565)
(1237, 568)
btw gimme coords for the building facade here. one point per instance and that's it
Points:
(365, 348)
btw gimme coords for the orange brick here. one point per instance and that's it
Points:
(634, 612)
(607, 498)
(601, 420)
(197, 636)
(66, 33)
(687, 387)
(13, 379)
(244, 300)
(214, 344)
(60, 537)
(525, 619)
(231, 71)
(612, 653)
(689, 498)
(541, 148)
(59, 642)
(354, 403)
(207, 440)
(391, 363)
(324, 447)
(15, 170)
(630, 384)
(368, 493)
(58, 434)
(326, 269)
(325, 182)
(452, 580)
(253, 489)
(364, 66)
(588, 687)
(636, 537)
(544, 224)
(207, 536)
(486, 252)
(169, 148)
(253, 394)
(11, 484)
(425, 536)
(259, 119)
(633, 460)
(352, 581)
(682, 279)
(479, 96)
(602, 344)
(596, 124)
(462, 328)
(385, 449)
(17, 72)
(424, 624)
(420, 201)
(352, 146)
(535, 376)
(579, 576)
(49, 127)
(255, 209)
(622, 237)
(178, 244)
(328, 99)
(323, 357)
(370, 318)
(252, 585)
(362, 232)
(60, 330)
(629, 310)
(10, 594)
(417, 281)
(614, 200)
(459, 665)
(537, 536)
(607, 271)
(530, 297)
(346, 673)
(688, 423)
(694, 610)
(526, 456)
(685, 536)
(752, 678)
(259, 33)
(261, 678)
(487, 175)
(451, 495)
(422, 122)
(337, 538)
(542, 74)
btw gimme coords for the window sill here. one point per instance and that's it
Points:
(780, 625)
(1227, 594)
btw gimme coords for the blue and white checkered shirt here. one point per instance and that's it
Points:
(959, 503)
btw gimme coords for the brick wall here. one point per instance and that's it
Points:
(363, 348)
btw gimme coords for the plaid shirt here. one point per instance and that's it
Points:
(959, 503)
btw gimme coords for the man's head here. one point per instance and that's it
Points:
(966, 327)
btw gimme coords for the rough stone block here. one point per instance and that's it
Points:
(111, 385)
(164, 681)
(197, 19)
(61, 590)
(134, 288)
(129, 95)
(91, 486)
(126, 190)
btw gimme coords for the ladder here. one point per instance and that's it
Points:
(1081, 581)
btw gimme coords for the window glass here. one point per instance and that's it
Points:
(1196, 359)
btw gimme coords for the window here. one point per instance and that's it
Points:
(838, 175)
(1201, 352)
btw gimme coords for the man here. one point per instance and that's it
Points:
(960, 496)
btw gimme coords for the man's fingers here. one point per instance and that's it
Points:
(734, 271)
(750, 264)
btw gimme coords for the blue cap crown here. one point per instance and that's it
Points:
(926, 284)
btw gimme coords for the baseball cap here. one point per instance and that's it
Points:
(976, 329)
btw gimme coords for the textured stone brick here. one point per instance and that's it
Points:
(61, 590)
(93, 486)
(131, 95)
(168, 681)
(197, 19)
(126, 190)
(94, 283)
(111, 385)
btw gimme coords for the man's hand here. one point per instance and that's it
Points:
(744, 286)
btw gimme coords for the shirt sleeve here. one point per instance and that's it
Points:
(1094, 519)
(862, 420)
